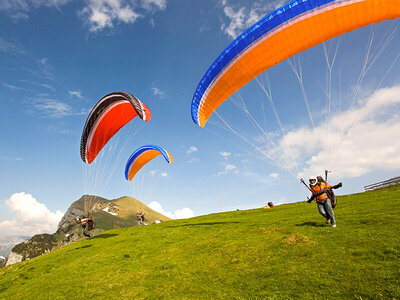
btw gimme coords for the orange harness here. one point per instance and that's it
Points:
(319, 187)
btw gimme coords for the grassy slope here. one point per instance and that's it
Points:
(285, 252)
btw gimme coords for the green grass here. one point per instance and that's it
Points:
(286, 252)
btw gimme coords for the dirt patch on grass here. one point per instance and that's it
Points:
(372, 222)
(295, 239)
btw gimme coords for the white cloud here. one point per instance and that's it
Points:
(229, 169)
(225, 154)
(32, 217)
(10, 48)
(53, 108)
(18, 9)
(157, 92)
(15, 88)
(193, 160)
(11, 158)
(152, 5)
(47, 86)
(242, 17)
(182, 213)
(76, 94)
(40, 68)
(158, 173)
(370, 139)
(44, 67)
(274, 175)
(101, 14)
(192, 149)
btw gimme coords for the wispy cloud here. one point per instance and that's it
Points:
(225, 154)
(53, 108)
(153, 5)
(10, 48)
(261, 178)
(193, 160)
(15, 88)
(274, 175)
(228, 169)
(241, 17)
(11, 158)
(157, 92)
(57, 129)
(45, 67)
(76, 94)
(192, 149)
(39, 67)
(19, 9)
(158, 173)
(45, 85)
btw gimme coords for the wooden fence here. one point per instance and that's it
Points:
(378, 185)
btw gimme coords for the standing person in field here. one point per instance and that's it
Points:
(319, 191)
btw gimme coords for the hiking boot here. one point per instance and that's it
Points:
(334, 225)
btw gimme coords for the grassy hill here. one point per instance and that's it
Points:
(285, 252)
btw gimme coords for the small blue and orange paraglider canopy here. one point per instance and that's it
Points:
(142, 156)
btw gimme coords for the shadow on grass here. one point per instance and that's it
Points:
(105, 236)
(204, 224)
(310, 224)
(86, 246)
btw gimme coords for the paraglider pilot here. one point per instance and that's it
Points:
(319, 191)
(140, 217)
(87, 224)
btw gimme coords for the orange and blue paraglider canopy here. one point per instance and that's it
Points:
(142, 156)
(288, 30)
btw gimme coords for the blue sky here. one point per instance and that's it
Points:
(59, 57)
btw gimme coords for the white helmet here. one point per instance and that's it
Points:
(313, 180)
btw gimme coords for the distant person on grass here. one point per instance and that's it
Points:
(87, 224)
(140, 217)
(320, 191)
